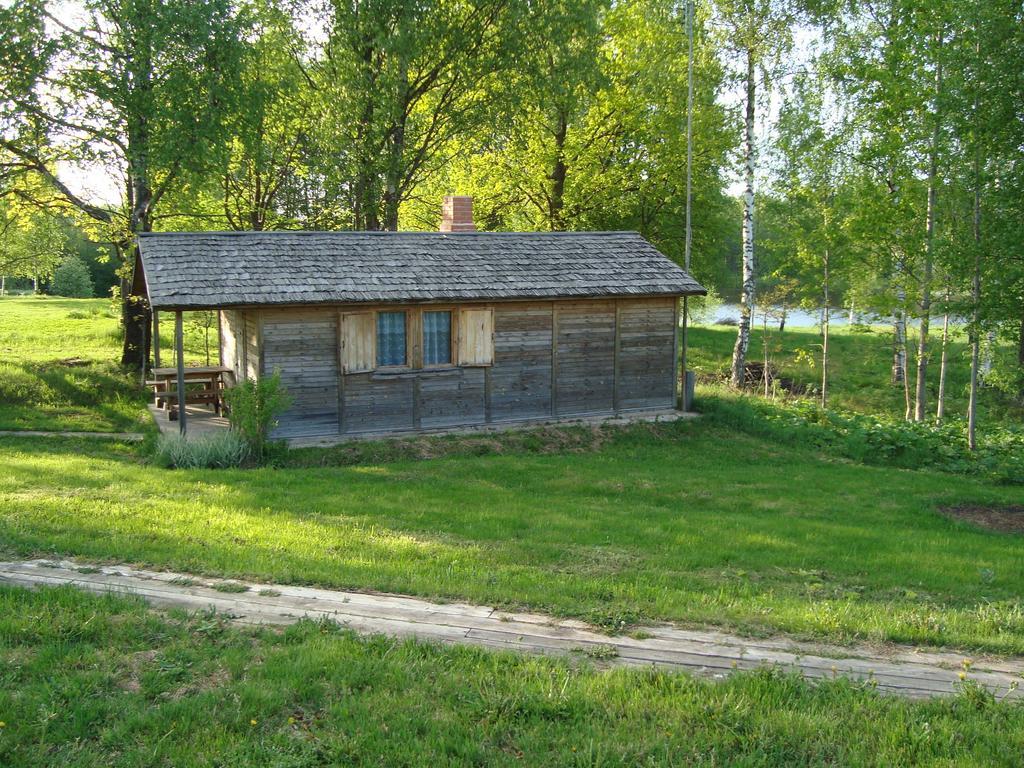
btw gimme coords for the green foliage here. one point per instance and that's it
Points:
(32, 243)
(72, 279)
(215, 450)
(875, 439)
(254, 408)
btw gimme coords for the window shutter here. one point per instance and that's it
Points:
(476, 337)
(357, 342)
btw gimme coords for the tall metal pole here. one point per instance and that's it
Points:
(689, 193)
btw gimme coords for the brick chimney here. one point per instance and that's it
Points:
(457, 214)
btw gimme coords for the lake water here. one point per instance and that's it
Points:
(802, 318)
(795, 318)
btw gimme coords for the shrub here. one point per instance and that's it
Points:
(254, 408)
(876, 439)
(72, 279)
(216, 450)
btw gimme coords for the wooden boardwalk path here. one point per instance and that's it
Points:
(126, 437)
(896, 670)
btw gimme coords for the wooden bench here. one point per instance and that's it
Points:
(207, 395)
(203, 386)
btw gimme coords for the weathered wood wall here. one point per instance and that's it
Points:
(232, 342)
(302, 344)
(551, 359)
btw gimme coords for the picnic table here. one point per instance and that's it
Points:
(203, 385)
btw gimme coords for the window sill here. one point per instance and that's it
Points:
(409, 373)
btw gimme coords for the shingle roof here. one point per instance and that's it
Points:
(215, 269)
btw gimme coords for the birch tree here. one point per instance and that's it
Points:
(812, 180)
(758, 32)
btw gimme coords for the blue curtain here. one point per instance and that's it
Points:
(390, 338)
(437, 338)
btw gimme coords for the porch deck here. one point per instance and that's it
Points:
(199, 420)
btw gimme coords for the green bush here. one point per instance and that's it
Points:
(72, 279)
(253, 410)
(216, 450)
(875, 439)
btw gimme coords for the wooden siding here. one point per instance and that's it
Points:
(646, 352)
(302, 345)
(251, 339)
(231, 342)
(550, 359)
(521, 375)
(378, 402)
(449, 398)
(585, 351)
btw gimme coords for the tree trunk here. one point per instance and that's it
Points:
(396, 153)
(988, 354)
(135, 312)
(1020, 344)
(764, 346)
(557, 177)
(940, 407)
(739, 353)
(824, 331)
(972, 406)
(899, 343)
(929, 255)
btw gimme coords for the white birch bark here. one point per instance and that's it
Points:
(921, 389)
(940, 407)
(739, 353)
(972, 405)
(826, 316)
(899, 333)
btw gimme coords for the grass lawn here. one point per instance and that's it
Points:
(691, 522)
(58, 367)
(100, 681)
(686, 522)
(59, 371)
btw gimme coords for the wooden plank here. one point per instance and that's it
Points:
(554, 358)
(487, 395)
(678, 385)
(156, 338)
(706, 653)
(179, 353)
(340, 373)
(616, 355)
(358, 346)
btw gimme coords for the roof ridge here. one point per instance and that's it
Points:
(376, 233)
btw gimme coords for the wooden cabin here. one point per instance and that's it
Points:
(389, 332)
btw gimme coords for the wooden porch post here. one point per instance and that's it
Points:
(179, 354)
(156, 338)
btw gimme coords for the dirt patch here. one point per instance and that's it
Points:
(137, 662)
(1006, 519)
